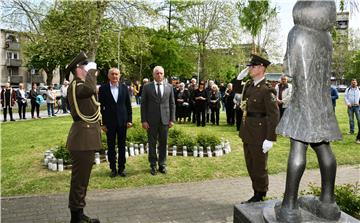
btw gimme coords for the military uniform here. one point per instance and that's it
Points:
(261, 115)
(83, 140)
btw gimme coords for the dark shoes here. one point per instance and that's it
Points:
(122, 173)
(80, 217)
(113, 174)
(153, 171)
(162, 170)
(258, 196)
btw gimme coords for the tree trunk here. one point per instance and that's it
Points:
(49, 76)
(100, 10)
(202, 70)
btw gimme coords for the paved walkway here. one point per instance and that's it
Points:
(207, 201)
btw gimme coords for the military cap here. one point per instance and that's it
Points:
(80, 59)
(258, 60)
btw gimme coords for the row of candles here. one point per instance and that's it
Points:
(224, 148)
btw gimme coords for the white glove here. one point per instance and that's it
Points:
(267, 145)
(243, 74)
(89, 66)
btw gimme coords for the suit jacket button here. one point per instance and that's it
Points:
(88, 126)
(259, 123)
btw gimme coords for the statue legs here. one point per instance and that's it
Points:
(288, 210)
(325, 207)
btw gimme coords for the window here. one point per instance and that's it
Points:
(12, 55)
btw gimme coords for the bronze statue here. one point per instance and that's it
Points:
(310, 118)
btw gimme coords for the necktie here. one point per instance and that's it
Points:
(158, 91)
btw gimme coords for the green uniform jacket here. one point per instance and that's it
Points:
(261, 100)
(84, 136)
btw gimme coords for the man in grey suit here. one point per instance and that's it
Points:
(157, 116)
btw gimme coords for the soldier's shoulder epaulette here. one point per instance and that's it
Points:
(78, 83)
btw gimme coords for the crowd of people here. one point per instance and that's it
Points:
(20, 97)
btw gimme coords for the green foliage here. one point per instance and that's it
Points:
(208, 139)
(136, 135)
(352, 66)
(254, 15)
(347, 197)
(62, 152)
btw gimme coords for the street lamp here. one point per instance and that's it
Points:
(118, 59)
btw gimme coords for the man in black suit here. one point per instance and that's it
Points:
(117, 117)
(157, 116)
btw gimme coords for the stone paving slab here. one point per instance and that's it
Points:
(206, 201)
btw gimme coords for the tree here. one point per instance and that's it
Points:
(253, 16)
(210, 25)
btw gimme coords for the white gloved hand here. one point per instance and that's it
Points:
(243, 74)
(267, 145)
(89, 66)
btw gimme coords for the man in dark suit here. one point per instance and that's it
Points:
(85, 134)
(257, 130)
(157, 116)
(117, 117)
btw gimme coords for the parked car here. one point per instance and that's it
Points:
(341, 88)
(44, 88)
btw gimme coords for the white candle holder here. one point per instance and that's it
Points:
(142, 151)
(174, 151)
(136, 149)
(126, 152)
(97, 158)
(54, 164)
(131, 148)
(60, 165)
(185, 151)
(195, 151)
(201, 151)
(106, 156)
(209, 153)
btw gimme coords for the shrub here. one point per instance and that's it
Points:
(174, 135)
(140, 136)
(62, 152)
(186, 140)
(207, 139)
(347, 196)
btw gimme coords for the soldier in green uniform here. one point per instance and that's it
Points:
(257, 131)
(85, 134)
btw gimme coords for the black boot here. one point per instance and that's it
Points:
(258, 196)
(78, 216)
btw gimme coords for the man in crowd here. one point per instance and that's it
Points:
(85, 134)
(117, 117)
(157, 116)
(192, 87)
(283, 94)
(63, 91)
(8, 99)
(352, 97)
(257, 130)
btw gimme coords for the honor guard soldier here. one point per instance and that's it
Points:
(257, 131)
(85, 134)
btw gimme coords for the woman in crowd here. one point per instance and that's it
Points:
(229, 104)
(50, 100)
(201, 98)
(21, 100)
(214, 104)
(34, 105)
(182, 103)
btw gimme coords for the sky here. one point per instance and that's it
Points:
(286, 20)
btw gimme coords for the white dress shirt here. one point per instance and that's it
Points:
(114, 91)
(161, 87)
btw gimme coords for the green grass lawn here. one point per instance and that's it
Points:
(23, 145)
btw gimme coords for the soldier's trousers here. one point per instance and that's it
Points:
(256, 163)
(82, 162)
